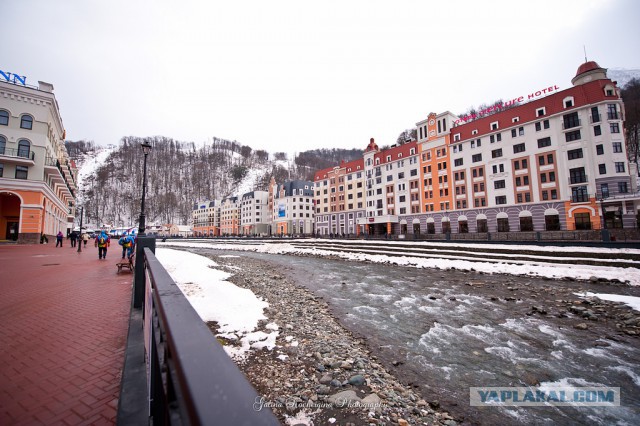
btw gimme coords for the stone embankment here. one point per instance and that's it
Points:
(320, 372)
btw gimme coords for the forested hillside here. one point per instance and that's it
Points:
(180, 174)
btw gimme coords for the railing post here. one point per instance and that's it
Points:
(138, 278)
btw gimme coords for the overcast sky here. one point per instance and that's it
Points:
(297, 75)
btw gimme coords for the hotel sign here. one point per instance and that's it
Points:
(13, 78)
(502, 105)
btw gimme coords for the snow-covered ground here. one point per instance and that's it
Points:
(530, 268)
(236, 310)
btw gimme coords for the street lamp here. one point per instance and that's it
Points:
(146, 148)
(80, 236)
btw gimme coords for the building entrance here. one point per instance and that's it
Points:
(12, 231)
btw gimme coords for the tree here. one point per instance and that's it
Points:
(631, 97)
(405, 136)
(282, 156)
(245, 151)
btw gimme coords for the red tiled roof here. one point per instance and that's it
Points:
(584, 94)
(393, 152)
(354, 164)
(587, 66)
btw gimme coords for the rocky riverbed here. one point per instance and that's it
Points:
(321, 372)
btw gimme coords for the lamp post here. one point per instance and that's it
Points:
(146, 148)
(80, 236)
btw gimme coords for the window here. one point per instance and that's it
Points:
(583, 221)
(572, 136)
(503, 224)
(538, 126)
(3, 144)
(498, 168)
(501, 199)
(568, 103)
(622, 187)
(476, 158)
(617, 146)
(574, 154)
(595, 115)
(513, 133)
(552, 222)
(614, 127)
(23, 148)
(544, 142)
(602, 169)
(519, 148)
(401, 175)
(499, 184)
(496, 153)
(520, 131)
(492, 138)
(597, 131)
(1, 169)
(457, 162)
(4, 118)
(498, 137)
(619, 167)
(579, 194)
(612, 112)
(570, 120)
(604, 190)
(577, 175)
(526, 224)
(539, 112)
(21, 172)
(26, 122)
(599, 149)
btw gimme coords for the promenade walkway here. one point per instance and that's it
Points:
(63, 328)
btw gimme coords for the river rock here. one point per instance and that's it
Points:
(581, 326)
(325, 379)
(344, 398)
(357, 380)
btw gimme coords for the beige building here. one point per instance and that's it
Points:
(37, 180)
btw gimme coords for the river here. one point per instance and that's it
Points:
(446, 331)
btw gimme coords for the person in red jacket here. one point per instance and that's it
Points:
(102, 242)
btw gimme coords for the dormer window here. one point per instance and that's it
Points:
(494, 125)
(456, 137)
(568, 102)
(388, 158)
(515, 119)
(474, 132)
(412, 151)
(540, 112)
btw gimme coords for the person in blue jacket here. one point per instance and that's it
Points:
(128, 243)
(102, 242)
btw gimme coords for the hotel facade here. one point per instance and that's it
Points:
(37, 179)
(551, 160)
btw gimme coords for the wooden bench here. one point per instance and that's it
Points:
(129, 264)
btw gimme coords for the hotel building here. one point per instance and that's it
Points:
(556, 162)
(37, 180)
(229, 216)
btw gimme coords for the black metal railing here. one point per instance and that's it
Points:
(192, 379)
(20, 152)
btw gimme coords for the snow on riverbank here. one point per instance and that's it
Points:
(530, 268)
(631, 301)
(236, 310)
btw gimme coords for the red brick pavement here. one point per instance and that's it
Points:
(63, 328)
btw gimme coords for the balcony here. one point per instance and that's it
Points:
(21, 157)
(570, 124)
(574, 180)
(595, 118)
(613, 115)
(580, 197)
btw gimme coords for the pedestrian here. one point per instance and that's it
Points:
(85, 238)
(127, 243)
(102, 242)
(74, 239)
(59, 238)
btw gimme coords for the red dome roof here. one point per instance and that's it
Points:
(587, 66)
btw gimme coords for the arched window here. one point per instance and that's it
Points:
(503, 222)
(23, 148)
(26, 122)
(3, 144)
(4, 118)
